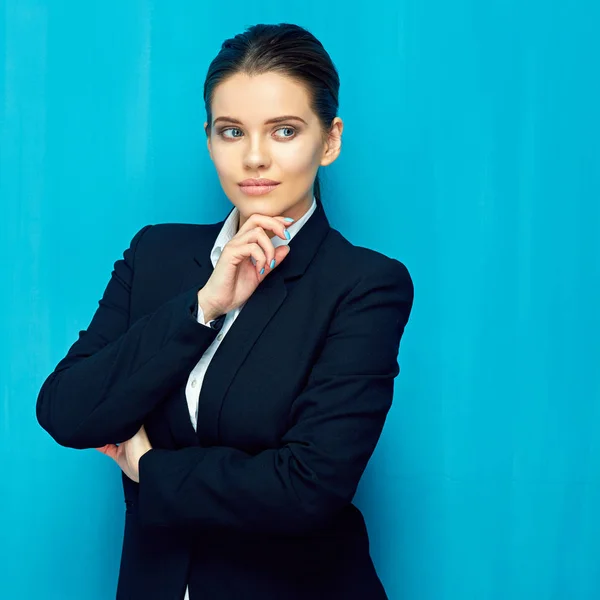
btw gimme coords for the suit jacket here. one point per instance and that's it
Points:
(257, 503)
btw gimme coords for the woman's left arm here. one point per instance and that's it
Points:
(336, 423)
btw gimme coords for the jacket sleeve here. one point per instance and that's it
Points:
(335, 424)
(116, 373)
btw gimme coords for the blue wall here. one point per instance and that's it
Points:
(474, 127)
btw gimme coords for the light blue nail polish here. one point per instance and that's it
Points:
(287, 234)
(289, 219)
(272, 263)
(262, 271)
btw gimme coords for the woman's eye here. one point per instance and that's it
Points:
(222, 132)
(287, 129)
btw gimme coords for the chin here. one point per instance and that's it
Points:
(267, 203)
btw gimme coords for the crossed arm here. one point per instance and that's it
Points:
(113, 376)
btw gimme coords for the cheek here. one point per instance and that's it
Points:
(224, 160)
(297, 159)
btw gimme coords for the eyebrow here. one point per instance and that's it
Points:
(275, 120)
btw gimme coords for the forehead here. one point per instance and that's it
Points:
(260, 97)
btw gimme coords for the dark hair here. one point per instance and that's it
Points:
(287, 49)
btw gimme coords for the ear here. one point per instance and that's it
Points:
(207, 131)
(333, 145)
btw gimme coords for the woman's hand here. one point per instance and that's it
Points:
(235, 278)
(127, 455)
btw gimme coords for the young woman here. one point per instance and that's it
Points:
(240, 372)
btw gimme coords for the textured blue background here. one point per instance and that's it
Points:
(473, 128)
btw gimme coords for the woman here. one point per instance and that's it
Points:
(240, 372)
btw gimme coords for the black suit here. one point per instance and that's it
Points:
(257, 502)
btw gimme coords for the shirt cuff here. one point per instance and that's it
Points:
(200, 316)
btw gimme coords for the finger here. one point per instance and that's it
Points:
(280, 253)
(110, 450)
(260, 237)
(240, 252)
(276, 225)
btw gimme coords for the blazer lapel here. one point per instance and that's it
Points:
(246, 329)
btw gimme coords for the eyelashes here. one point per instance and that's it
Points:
(222, 131)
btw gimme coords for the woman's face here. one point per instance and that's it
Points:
(249, 139)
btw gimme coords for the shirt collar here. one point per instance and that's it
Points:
(230, 228)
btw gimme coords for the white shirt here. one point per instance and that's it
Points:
(196, 377)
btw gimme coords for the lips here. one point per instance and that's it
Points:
(258, 182)
(258, 187)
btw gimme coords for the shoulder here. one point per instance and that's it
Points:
(171, 237)
(182, 232)
(358, 263)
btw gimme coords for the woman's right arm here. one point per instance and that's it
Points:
(115, 374)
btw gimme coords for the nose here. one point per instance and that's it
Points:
(256, 155)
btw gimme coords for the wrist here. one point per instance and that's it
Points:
(210, 312)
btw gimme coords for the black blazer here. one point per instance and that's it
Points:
(257, 502)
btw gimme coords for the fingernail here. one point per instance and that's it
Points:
(289, 219)
(262, 270)
(272, 263)
(287, 234)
